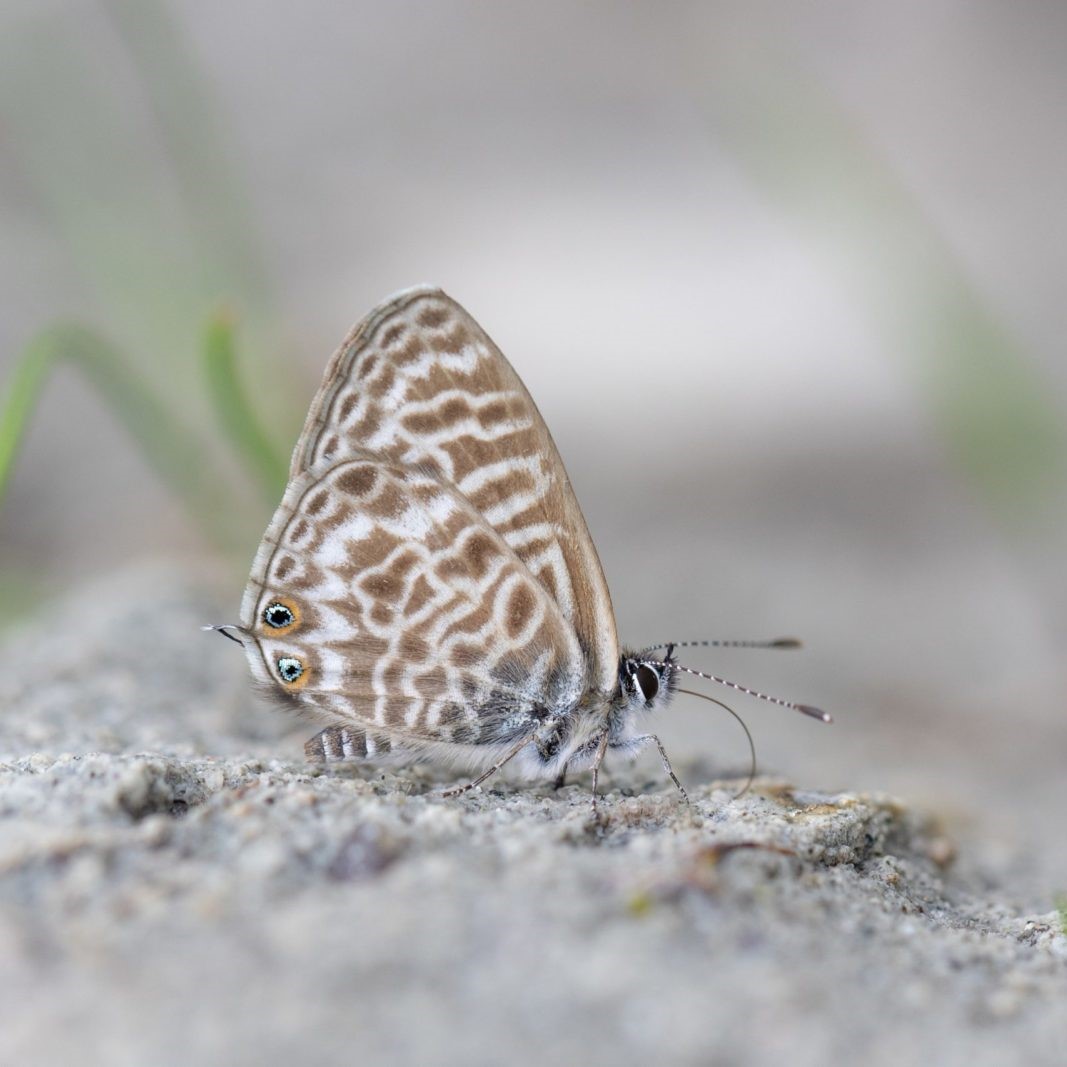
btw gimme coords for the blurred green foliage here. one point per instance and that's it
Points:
(998, 418)
(174, 451)
(141, 189)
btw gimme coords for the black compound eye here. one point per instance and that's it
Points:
(647, 681)
(278, 615)
(290, 668)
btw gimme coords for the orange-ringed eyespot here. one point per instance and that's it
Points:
(278, 615)
(290, 668)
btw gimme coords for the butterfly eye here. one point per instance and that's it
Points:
(290, 669)
(647, 681)
(279, 615)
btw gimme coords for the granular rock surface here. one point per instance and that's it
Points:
(176, 886)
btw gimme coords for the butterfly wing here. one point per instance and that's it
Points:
(419, 382)
(382, 598)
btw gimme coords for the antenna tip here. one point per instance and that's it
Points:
(786, 642)
(815, 713)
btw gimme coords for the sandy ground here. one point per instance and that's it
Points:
(176, 886)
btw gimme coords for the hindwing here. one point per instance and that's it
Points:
(380, 596)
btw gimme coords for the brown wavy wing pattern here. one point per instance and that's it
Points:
(408, 613)
(419, 382)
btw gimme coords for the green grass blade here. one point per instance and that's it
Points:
(71, 141)
(234, 412)
(198, 148)
(171, 450)
(20, 403)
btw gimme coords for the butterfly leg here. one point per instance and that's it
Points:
(509, 755)
(598, 759)
(348, 742)
(652, 739)
(561, 778)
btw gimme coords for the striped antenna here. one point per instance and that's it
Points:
(804, 709)
(775, 642)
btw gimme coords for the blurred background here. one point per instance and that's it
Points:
(785, 280)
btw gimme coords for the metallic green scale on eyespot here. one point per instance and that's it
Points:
(290, 669)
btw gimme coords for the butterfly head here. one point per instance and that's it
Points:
(647, 683)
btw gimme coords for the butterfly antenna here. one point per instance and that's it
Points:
(776, 642)
(751, 743)
(804, 709)
(224, 630)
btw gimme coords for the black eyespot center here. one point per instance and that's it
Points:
(278, 615)
(647, 681)
(290, 668)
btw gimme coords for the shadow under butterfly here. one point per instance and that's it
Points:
(428, 583)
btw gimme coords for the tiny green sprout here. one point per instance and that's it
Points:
(639, 904)
(1060, 901)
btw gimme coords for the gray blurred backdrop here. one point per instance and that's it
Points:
(785, 280)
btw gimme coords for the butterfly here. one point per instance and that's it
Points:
(428, 584)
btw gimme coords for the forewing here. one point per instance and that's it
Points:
(420, 383)
(404, 610)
